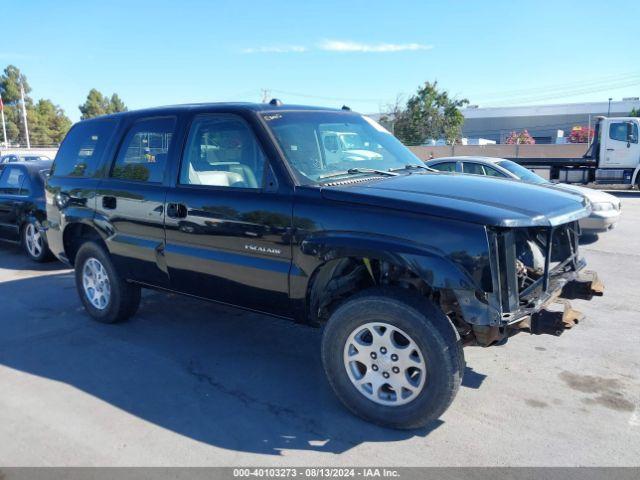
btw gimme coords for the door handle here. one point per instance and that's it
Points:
(109, 203)
(610, 149)
(176, 210)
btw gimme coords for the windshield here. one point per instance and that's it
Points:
(521, 172)
(321, 145)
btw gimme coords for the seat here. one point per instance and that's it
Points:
(215, 178)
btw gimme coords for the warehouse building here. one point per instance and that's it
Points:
(543, 122)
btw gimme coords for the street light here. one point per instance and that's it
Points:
(609, 109)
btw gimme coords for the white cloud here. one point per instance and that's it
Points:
(276, 49)
(347, 46)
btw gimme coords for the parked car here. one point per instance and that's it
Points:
(22, 209)
(606, 208)
(236, 203)
(14, 157)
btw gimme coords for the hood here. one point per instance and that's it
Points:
(593, 195)
(469, 198)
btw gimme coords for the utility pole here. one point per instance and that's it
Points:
(4, 127)
(266, 93)
(24, 115)
(609, 109)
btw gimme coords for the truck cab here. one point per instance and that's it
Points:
(347, 146)
(616, 150)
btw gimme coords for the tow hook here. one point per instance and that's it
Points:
(555, 322)
(585, 286)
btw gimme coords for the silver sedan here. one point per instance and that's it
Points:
(606, 208)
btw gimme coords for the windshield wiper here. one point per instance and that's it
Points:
(356, 171)
(413, 166)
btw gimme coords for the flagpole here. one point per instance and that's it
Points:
(24, 116)
(4, 127)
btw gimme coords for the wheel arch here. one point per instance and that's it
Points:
(635, 179)
(346, 267)
(77, 233)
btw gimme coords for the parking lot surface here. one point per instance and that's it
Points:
(187, 382)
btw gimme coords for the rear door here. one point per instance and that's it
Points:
(227, 226)
(11, 181)
(130, 199)
(474, 168)
(71, 185)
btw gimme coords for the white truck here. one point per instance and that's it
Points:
(347, 146)
(613, 158)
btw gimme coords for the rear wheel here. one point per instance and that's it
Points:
(106, 296)
(33, 242)
(392, 358)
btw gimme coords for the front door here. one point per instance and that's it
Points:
(130, 201)
(11, 180)
(621, 149)
(227, 237)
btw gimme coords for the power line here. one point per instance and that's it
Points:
(601, 81)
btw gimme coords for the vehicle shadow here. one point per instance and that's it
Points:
(588, 239)
(12, 257)
(232, 379)
(625, 193)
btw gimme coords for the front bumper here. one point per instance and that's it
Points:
(523, 292)
(599, 222)
(552, 314)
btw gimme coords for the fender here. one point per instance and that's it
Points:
(434, 266)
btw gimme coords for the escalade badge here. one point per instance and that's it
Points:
(267, 250)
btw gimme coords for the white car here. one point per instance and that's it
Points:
(606, 207)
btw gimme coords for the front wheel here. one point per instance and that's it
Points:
(393, 358)
(106, 296)
(33, 242)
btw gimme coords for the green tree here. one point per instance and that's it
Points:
(10, 85)
(635, 112)
(430, 113)
(116, 104)
(47, 123)
(10, 91)
(98, 104)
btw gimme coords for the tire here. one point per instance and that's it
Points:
(34, 243)
(406, 315)
(114, 300)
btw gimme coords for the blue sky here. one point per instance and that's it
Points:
(362, 53)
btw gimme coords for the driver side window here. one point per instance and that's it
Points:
(222, 151)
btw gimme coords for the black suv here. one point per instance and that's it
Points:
(323, 217)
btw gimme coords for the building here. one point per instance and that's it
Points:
(542, 121)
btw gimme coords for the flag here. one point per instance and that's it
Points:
(1, 104)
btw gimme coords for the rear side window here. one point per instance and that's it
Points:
(25, 188)
(143, 153)
(83, 148)
(472, 168)
(11, 181)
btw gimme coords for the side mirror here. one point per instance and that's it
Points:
(631, 138)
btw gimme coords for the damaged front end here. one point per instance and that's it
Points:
(535, 272)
